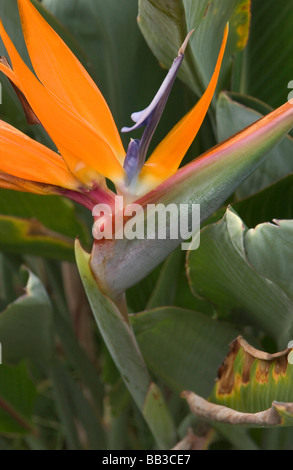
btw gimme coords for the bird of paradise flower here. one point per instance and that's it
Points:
(65, 100)
(73, 111)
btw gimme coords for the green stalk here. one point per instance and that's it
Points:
(122, 345)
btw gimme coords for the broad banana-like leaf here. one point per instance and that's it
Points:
(268, 68)
(277, 240)
(254, 388)
(239, 287)
(165, 23)
(182, 347)
(233, 113)
(208, 181)
(17, 400)
(274, 202)
(29, 236)
(32, 308)
(249, 380)
(35, 229)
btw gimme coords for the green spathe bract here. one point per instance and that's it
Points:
(208, 181)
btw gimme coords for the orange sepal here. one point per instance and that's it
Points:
(86, 154)
(9, 72)
(27, 159)
(168, 155)
(17, 184)
(61, 72)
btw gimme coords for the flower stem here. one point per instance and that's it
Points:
(121, 343)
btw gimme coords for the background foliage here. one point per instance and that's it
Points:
(59, 387)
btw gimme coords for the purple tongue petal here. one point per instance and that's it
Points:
(150, 117)
(142, 118)
(132, 159)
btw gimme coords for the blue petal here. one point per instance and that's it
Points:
(141, 118)
(131, 161)
(150, 117)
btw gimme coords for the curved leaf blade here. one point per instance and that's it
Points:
(280, 414)
(233, 115)
(181, 346)
(274, 202)
(250, 380)
(165, 24)
(277, 240)
(28, 321)
(269, 51)
(17, 398)
(29, 236)
(220, 271)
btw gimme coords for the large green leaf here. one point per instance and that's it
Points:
(171, 287)
(249, 380)
(17, 398)
(268, 57)
(275, 239)
(76, 412)
(10, 17)
(182, 347)
(11, 282)
(165, 23)
(164, 291)
(274, 202)
(253, 389)
(233, 116)
(221, 272)
(30, 237)
(40, 225)
(79, 359)
(56, 213)
(26, 325)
